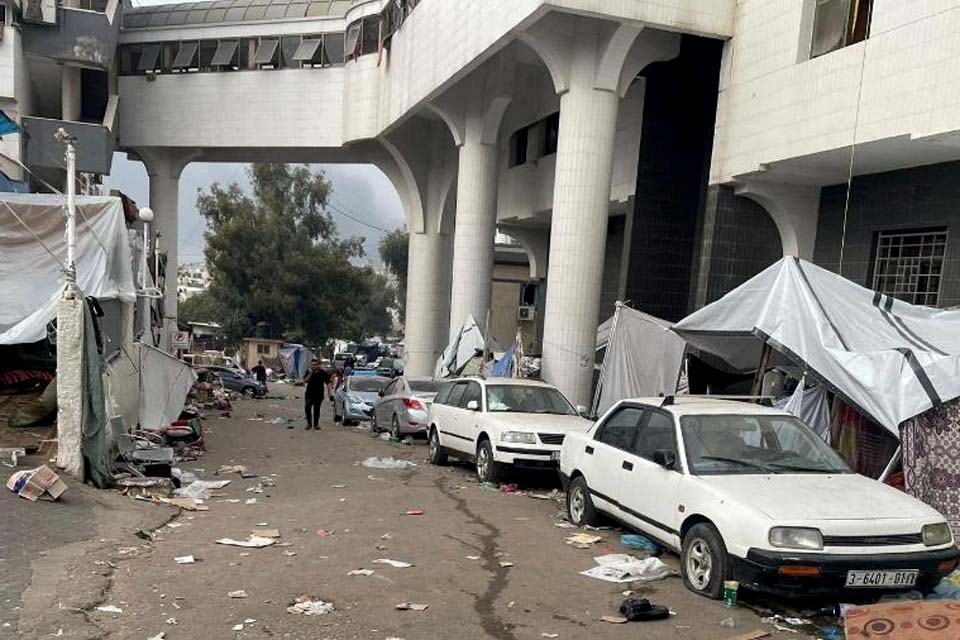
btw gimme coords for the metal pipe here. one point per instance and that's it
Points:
(71, 161)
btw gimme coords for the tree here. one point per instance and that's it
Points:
(278, 268)
(200, 307)
(394, 251)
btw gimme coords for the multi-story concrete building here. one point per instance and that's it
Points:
(657, 151)
(192, 278)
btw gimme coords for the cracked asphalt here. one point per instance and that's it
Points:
(458, 547)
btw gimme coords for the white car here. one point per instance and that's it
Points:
(749, 493)
(501, 423)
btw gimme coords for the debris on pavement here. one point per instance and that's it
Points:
(414, 512)
(505, 564)
(237, 594)
(387, 463)
(289, 554)
(34, 483)
(728, 623)
(13, 454)
(324, 533)
(473, 557)
(146, 487)
(185, 560)
(564, 525)
(187, 504)
(159, 636)
(238, 627)
(583, 540)
(266, 533)
(614, 619)
(411, 606)
(642, 610)
(280, 422)
(200, 489)
(338, 486)
(310, 606)
(361, 572)
(230, 468)
(508, 488)
(397, 564)
(752, 635)
(110, 609)
(622, 568)
(253, 542)
(641, 543)
(250, 501)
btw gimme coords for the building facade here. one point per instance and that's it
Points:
(655, 152)
(192, 278)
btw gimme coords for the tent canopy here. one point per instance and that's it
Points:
(31, 278)
(891, 359)
(465, 345)
(295, 359)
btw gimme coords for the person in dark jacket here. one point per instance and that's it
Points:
(317, 387)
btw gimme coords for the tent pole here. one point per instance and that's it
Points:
(761, 369)
(603, 365)
(888, 470)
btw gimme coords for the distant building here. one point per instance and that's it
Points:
(255, 349)
(192, 279)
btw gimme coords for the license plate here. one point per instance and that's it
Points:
(555, 456)
(882, 579)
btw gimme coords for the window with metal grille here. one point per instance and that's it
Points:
(908, 265)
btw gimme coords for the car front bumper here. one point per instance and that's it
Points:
(357, 411)
(761, 571)
(527, 457)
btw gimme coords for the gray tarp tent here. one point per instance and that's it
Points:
(643, 358)
(465, 345)
(295, 359)
(890, 359)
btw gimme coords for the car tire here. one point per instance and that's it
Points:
(374, 425)
(395, 429)
(488, 469)
(248, 392)
(438, 456)
(704, 561)
(580, 509)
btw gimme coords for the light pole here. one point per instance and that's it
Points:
(71, 160)
(146, 216)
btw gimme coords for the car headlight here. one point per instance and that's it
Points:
(518, 437)
(937, 534)
(796, 538)
(355, 399)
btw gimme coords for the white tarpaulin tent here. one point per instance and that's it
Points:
(890, 359)
(295, 359)
(465, 345)
(164, 384)
(643, 358)
(31, 278)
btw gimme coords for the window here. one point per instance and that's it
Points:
(551, 134)
(620, 429)
(263, 349)
(351, 45)
(149, 58)
(657, 434)
(909, 265)
(517, 398)
(308, 52)
(226, 54)
(518, 147)
(456, 394)
(208, 49)
(370, 39)
(839, 23)
(186, 56)
(444, 393)
(267, 52)
(529, 293)
(471, 394)
(333, 44)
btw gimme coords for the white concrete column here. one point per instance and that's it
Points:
(428, 300)
(588, 120)
(70, 386)
(164, 172)
(476, 229)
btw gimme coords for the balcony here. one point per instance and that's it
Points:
(85, 37)
(94, 146)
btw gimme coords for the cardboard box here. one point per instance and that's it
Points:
(33, 483)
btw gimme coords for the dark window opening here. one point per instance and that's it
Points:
(839, 23)
(908, 264)
(208, 49)
(351, 45)
(288, 48)
(267, 52)
(186, 57)
(333, 44)
(529, 294)
(371, 35)
(518, 147)
(94, 94)
(226, 54)
(551, 133)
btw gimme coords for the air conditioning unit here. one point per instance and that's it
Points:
(528, 313)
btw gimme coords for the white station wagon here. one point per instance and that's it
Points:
(500, 423)
(749, 493)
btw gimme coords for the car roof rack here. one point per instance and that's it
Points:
(676, 399)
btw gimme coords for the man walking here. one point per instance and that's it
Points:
(260, 373)
(317, 386)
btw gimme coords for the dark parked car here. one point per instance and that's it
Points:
(390, 367)
(240, 382)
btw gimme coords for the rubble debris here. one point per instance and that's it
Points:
(253, 542)
(728, 623)
(324, 533)
(505, 564)
(411, 606)
(280, 422)
(159, 636)
(250, 501)
(622, 568)
(184, 560)
(755, 635)
(310, 606)
(473, 557)
(549, 635)
(238, 627)
(387, 463)
(146, 487)
(397, 564)
(230, 468)
(187, 504)
(34, 483)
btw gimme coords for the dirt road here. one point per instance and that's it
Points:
(458, 547)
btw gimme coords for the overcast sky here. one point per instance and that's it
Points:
(359, 190)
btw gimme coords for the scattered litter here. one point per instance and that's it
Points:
(238, 627)
(266, 533)
(508, 488)
(549, 635)
(323, 533)
(33, 483)
(310, 606)
(338, 486)
(13, 454)
(289, 554)
(171, 621)
(250, 501)
(361, 572)
(473, 557)
(583, 540)
(230, 468)
(540, 496)
(397, 564)
(490, 486)
(185, 560)
(189, 504)
(280, 422)
(110, 609)
(249, 620)
(614, 619)
(728, 623)
(621, 568)
(159, 636)
(411, 606)
(174, 525)
(257, 488)
(387, 463)
(505, 564)
(642, 610)
(146, 487)
(414, 512)
(386, 536)
(200, 490)
(777, 618)
(564, 525)
(833, 632)
(643, 543)
(237, 594)
(253, 542)
(756, 635)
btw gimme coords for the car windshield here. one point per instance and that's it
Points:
(527, 399)
(424, 386)
(366, 384)
(752, 444)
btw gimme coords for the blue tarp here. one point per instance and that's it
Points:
(504, 366)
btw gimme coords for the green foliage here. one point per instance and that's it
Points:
(394, 251)
(277, 265)
(200, 307)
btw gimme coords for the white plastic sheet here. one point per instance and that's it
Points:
(622, 568)
(165, 382)
(891, 359)
(31, 278)
(812, 407)
(643, 357)
(463, 347)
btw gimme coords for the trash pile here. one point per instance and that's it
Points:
(33, 484)
(386, 463)
(208, 393)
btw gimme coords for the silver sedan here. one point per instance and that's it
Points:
(354, 398)
(404, 405)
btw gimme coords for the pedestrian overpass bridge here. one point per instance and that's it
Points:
(520, 113)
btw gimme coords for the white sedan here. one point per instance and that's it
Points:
(748, 493)
(501, 423)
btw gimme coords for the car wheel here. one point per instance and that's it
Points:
(437, 455)
(703, 562)
(374, 425)
(580, 507)
(488, 469)
(395, 429)
(248, 392)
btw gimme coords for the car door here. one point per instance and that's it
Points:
(450, 419)
(386, 405)
(650, 476)
(607, 452)
(469, 422)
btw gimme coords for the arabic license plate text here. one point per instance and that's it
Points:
(555, 456)
(882, 579)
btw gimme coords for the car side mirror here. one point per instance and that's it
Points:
(473, 405)
(582, 410)
(665, 458)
